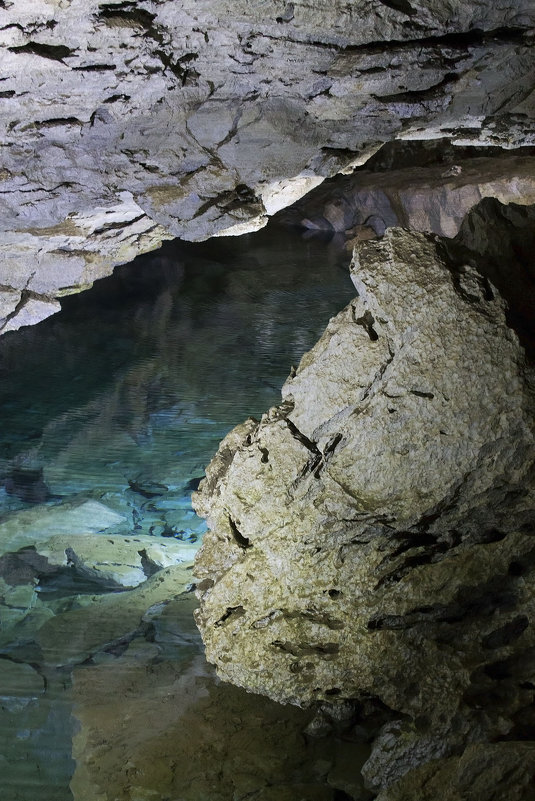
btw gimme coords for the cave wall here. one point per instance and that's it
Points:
(125, 123)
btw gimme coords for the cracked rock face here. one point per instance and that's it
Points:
(123, 123)
(372, 537)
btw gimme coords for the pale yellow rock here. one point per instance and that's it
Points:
(123, 560)
(371, 537)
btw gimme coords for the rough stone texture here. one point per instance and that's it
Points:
(373, 535)
(489, 772)
(428, 198)
(123, 123)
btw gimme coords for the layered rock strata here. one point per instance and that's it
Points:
(372, 536)
(431, 198)
(123, 123)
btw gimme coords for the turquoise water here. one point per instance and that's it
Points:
(110, 412)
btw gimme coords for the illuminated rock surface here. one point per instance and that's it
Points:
(126, 123)
(372, 537)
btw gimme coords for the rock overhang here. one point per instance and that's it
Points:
(127, 123)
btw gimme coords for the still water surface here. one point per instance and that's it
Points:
(110, 412)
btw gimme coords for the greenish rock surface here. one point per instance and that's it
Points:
(372, 536)
(200, 739)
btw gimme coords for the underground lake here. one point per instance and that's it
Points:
(110, 412)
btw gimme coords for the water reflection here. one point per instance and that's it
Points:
(110, 411)
(139, 379)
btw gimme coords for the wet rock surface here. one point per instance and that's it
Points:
(123, 124)
(372, 536)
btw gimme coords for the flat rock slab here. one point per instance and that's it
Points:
(32, 526)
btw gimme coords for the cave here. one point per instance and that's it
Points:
(267, 353)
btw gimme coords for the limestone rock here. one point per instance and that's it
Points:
(114, 560)
(46, 541)
(487, 772)
(431, 198)
(126, 123)
(372, 537)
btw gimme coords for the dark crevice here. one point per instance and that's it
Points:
(117, 225)
(232, 612)
(127, 13)
(408, 565)
(52, 52)
(507, 633)
(242, 541)
(471, 603)
(332, 445)
(419, 95)
(367, 321)
(403, 6)
(96, 68)
(58, 122)
(488, 536)
(300, 649)
(456, 41)
(179, 67)
(302, 438)
(115, 98)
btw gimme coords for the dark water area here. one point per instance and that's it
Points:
(148, 370)
(109, 413)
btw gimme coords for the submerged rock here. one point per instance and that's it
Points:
(19, 685)
(28, 485)
(107, 622)
(32, 526)
(199, 739)
(372, 536)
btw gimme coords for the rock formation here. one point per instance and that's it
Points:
(123, 123)
(430, 197)
(371, 538)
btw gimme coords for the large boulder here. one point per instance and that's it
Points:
(124, 123)
(372, 536)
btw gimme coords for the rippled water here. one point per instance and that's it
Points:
(110, 411)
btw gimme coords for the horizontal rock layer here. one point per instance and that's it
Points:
(372, 536)
(431, 198)
(123, 123)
